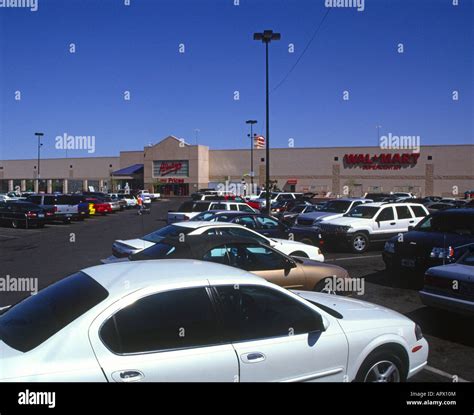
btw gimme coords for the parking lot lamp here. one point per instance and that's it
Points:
(38, 175)
(266, 37)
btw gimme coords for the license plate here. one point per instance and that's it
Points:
(40, 215)
(410, 263)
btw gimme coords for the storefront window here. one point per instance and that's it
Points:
(57, 185)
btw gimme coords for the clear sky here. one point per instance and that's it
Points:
(136, 48)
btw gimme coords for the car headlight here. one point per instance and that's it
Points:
(389, 247)
(442, 253)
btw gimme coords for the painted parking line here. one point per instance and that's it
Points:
(353, 257)
(444, 374)
(9, 237)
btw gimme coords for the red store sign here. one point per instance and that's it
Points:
(384, 161)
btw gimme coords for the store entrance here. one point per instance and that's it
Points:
(173, 189)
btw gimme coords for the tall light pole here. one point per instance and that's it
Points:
(251, 122)
(39, 135)
(266, 37)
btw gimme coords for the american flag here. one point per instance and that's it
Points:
(259, 141)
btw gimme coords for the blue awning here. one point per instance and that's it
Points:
(127, 171)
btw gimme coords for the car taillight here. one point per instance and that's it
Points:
(31, 215)
(186, 217)
(438, 282)
(418, 333)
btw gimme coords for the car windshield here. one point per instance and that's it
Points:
(298, 209)
(337, 206)
(38, 317)
(206, 216)
(170, 230)
(468, 258)
(364, 212)
(448, 223)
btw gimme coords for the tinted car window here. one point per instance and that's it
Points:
(386, 214)
(403, 212)
(233, 206)
(246, 221)
(187, 207)
(38, 317)
(34, 199)
(245, 208)
(170, 230)
(49, 200)
(169, 320)
(254, 312)
(241, 232)
(267, 223)
(418, 211)
(366, 212)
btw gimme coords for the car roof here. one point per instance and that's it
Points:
(456, 211)
(379, 204)
(201, 223)
(196, 246)
(142, 274)
(350, 199)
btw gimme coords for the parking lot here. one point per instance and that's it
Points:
(59, 250)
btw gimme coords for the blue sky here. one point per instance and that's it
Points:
(135, 48)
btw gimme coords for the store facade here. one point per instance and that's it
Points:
(175, 168)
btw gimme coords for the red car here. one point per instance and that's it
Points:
(98, 206)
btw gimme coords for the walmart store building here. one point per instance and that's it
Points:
(175, 168)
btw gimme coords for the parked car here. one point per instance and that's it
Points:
(436, 206)
(289, 217)
(252, 256)
(98, 206)
(261, 202)
(130, 201)
(377, 197)
(403, 195)
(306, 228)
(371, 222)
(438, 239)
(64, 208)
(451, 287)
(124, 248)
(263, 224)
(124, 322)
(21, 214)
(147, 194)
(192, 208)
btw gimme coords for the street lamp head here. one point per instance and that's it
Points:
(39, 134)
(267, 36)
(251, 122)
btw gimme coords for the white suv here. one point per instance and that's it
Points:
(372, 222)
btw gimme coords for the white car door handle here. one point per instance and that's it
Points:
(128, 375)
(253, 357)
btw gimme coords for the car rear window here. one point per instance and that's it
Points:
(35, 319)
(418, 211)
(170, 230)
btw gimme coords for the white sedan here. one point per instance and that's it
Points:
(124, 248)
(185, 320)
